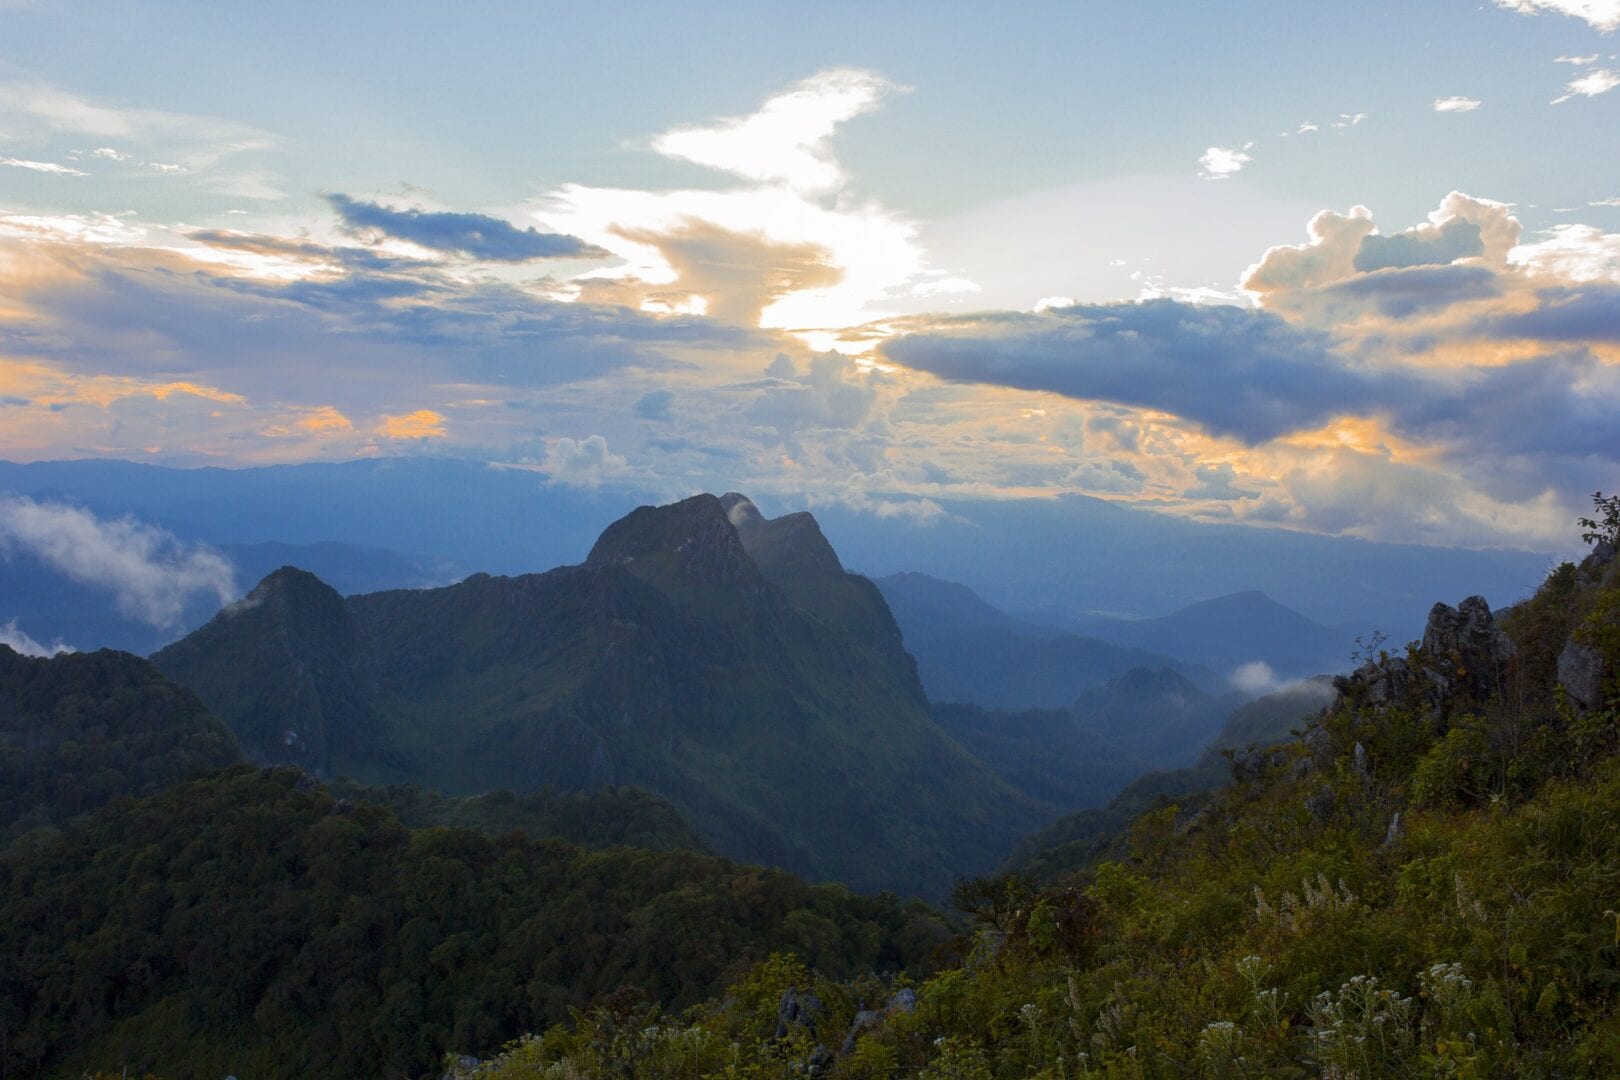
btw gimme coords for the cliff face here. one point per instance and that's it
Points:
(735, 669)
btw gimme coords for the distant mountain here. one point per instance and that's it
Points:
(1047, 753)
(1227, 631)
(1076, 553)
(80, 729)
(1155, 714)
(968, 651)
(735, 669)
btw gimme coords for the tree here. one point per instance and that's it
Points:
(1605, 528)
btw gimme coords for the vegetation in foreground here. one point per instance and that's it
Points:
(1425, 884)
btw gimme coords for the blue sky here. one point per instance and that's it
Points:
(879, 256)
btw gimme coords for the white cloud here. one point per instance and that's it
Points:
(108, 153)
(1594, 82)
(1220, 162)
(1349, 120)
(20, 642)
(1611, 201)
(788, 140)
(1456, 104)
(41, 167)
(801, 261)
(1578, 61)
(581, 462)
(1602, 14)
(150, 573)
(1254, 678)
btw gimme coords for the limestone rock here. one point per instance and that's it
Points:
(1580, 673)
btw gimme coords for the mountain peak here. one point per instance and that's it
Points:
(788, 548)
(691, 543)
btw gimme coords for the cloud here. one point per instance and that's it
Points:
(1235, 372)
(150, 573)
(1601, 14)
(47, 167)
(476, 236)
(788, 140)
(421, 424)
(1433, 245)
(24, 645)
(581, 462)
(787, 247)
(1220, 162)
(654, 405)
(833, 393)
(209, 149)
(1456, 104)
(1594, 82)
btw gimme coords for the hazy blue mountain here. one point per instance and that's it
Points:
(1047, 753)
(1155, 714)
(1227, 631)
(738, 672)
(1075, 553)
(968, 651)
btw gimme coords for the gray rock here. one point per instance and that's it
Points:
(1393, 833)
(1321, 803)
(1301, 768)
(797, 1008)
(904, 1000)
(865, 1020)
(1580, 673)
(1249, 763)
(1464, 647)
(1358, 762)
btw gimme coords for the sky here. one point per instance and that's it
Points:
(1350, 269)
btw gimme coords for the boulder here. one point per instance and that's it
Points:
(1580, 673)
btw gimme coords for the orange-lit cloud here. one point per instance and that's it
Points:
(421, 424)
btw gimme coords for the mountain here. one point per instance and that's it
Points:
(969, 651)
(81, 729)
(1227, 631)
(739, 672)
(1047, 753)
(1154, 713)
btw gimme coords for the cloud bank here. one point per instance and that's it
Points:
(150, 574)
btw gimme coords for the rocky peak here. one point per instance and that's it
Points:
(688, 544)
(1463, 654)
(790, 547)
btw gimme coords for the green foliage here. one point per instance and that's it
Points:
(1605, 528)
(611, 817)
(80, 729)
(250, 923)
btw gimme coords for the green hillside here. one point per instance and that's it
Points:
(1424, 884)
(80, 729)
(251, 924)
